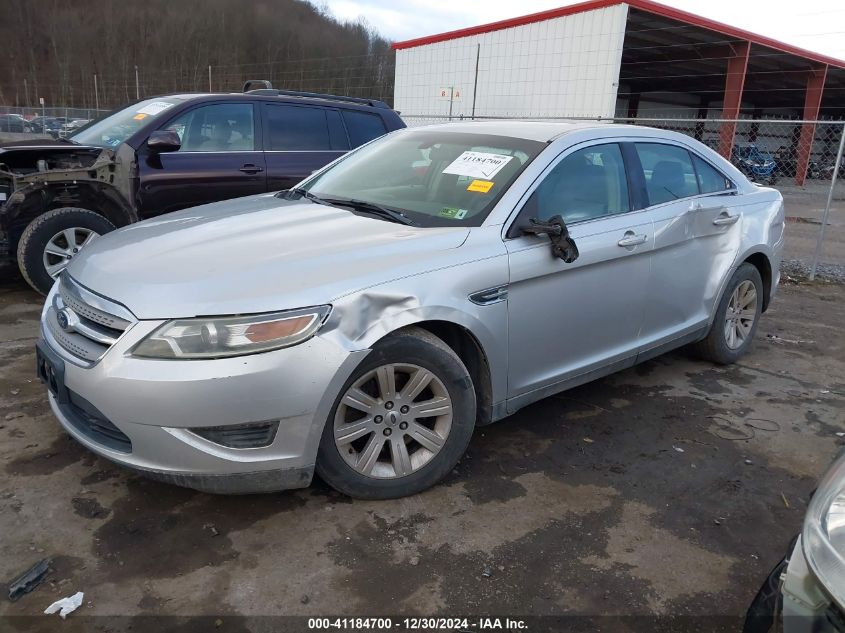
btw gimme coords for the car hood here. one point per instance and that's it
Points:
(256, 254)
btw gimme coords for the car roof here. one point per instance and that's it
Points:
(544, 131)
(333, 100)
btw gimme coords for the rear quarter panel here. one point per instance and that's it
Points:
(763, 228)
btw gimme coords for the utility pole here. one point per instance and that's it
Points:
(26, 92)
(826, 214)
(96, 94)
(209, 77)
(137, 87)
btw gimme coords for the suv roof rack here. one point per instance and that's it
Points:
(269, 91)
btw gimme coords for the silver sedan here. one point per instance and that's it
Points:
(438, 279)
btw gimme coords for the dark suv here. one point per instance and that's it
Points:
(164, 154)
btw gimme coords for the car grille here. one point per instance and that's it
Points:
(84, 324)
(88, 421)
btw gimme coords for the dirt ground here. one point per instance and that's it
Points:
(625, 496)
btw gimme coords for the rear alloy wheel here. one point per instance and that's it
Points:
(401, 422)
(740, 315)
(737, 316)
(54, 238)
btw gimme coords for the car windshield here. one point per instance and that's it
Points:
(434, 178)
(120, 125)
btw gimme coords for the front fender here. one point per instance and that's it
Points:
(360, 320)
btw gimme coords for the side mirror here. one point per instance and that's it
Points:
(164, 141)
(563, 246)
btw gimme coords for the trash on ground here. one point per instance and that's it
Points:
(487, 572)
(678, 448)
(29, 580)
(785, 502)
(66, 606)
(588, 440)
(748, 462)
(774, 338)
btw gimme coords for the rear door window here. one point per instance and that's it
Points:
(303, 128)
(668, 171)
(363, 127)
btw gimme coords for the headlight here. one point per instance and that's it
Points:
(823, 537)
(215, 337)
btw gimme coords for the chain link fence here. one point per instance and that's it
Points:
(799, 158)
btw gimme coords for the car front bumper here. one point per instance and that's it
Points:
(140, 412)
(792, 600)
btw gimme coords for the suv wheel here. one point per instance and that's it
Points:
(401, 422)
(736, 318)
(52, 239)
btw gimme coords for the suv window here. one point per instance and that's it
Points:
(222, 127)
(363, 127)
(304, 128)
(710, 180)
(668, 171)
(589, 183)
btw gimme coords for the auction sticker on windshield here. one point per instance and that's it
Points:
(477, 165)
(155, 107)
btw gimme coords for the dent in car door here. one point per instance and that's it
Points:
(300, 140)
(567, 320)
(696, 239)
(220, 158)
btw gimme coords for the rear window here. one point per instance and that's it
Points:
(303, 128)
(363, 127)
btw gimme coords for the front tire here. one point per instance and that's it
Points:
(402, 420)
(52, 239)
(737, 316)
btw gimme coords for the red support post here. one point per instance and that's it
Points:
(734, 83)
(812, 103)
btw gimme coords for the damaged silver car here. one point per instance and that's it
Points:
(365, 322)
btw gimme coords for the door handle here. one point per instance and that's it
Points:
(725, 219)
(632, 239)
(249, 168)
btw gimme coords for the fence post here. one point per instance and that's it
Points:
(826, 213)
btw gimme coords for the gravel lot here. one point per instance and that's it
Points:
(626, 496)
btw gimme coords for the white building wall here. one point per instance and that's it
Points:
(566, 66)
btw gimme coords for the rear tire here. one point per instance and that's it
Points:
(389, 437)
(737, 316)
(52, 239)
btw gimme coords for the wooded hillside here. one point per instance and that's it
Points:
(54, 48)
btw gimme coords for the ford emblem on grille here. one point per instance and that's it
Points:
(64, 318)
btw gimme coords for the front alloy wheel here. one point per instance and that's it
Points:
(402, 420)
(393, 420)
(61, 248)
(52, 239)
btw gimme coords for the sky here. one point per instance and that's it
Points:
(817, 25)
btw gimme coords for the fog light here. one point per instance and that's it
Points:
(253, 435)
